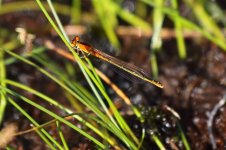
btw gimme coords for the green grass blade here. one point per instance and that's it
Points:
(156, 41)
(61, 135)
(158, 18)
(179, 32)
(3, 99)
(183, 137)
(94, 72)
(158, 142)
(154, 65)
(57, 20)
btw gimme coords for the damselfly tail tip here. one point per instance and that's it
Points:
(158, 84)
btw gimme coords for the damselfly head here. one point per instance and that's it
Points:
(75, 41)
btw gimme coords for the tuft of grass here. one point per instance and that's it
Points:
(53, 115)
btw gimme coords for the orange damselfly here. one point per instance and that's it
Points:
(135, 71)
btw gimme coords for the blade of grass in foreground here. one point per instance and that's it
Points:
(158, 142)
(61, 135)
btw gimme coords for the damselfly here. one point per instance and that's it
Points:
(135, 71)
